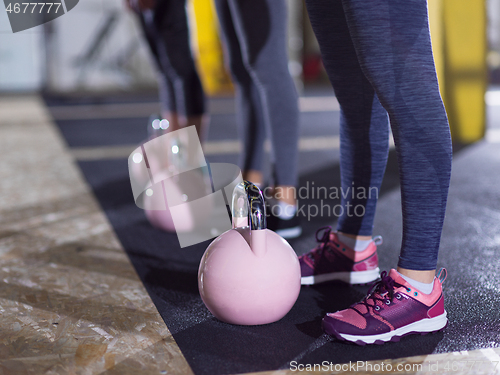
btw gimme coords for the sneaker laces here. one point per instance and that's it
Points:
(325, 237)
(378, 292)
(322, 239)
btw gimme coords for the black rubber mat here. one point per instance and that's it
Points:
(470, 251)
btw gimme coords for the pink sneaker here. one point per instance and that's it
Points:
(332, 260)
(392, 309)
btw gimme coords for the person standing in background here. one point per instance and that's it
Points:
(254, 34)
(165, 27)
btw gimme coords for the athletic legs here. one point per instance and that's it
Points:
(383, 47)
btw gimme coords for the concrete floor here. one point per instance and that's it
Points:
(71, 301)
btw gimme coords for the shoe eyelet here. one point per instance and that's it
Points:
(408, 289)
(397, 295)
(387, 302)
(343, 249)
(337, 245)
(415, 294)
(377, 308)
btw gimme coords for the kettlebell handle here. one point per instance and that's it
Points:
(248, 202)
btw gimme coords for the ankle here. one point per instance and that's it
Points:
(254, 177)
(425, 277)
(357, 243)
(173, 120)
(285, 194)
(201, 124)
(354, 236)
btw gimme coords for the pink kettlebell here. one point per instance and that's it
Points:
(171, 188)
(249, 275)
(178, 190)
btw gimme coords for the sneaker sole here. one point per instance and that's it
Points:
(356, 277)
(290, 233)
(421, 327)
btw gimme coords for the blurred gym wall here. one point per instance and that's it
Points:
(98, 47)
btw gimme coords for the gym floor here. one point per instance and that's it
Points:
(88, 286)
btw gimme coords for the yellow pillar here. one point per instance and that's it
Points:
(209, 57)
(458, 30)
(437, 35)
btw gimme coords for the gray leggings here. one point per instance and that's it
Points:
(166, 31)
(254, 33)
(379, 59)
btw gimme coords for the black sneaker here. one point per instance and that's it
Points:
(287, 229)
